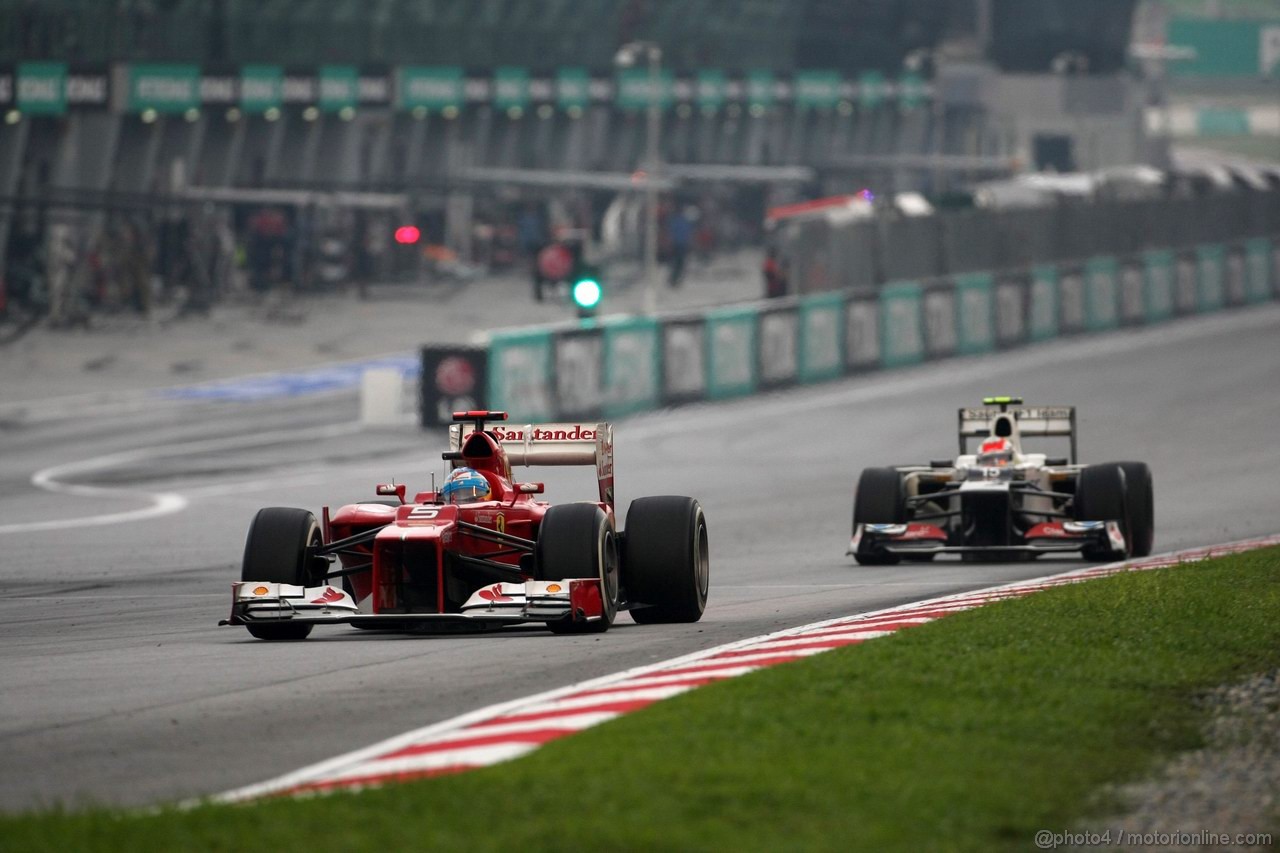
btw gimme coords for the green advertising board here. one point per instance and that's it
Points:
(759, 89)
(901, 324)
(1226, 48)
(510, 88)
(636, 92)
(1044, 298)
(339, 87)
(632, 366)
(871, 89)
(261, 87)
(731, 352)
(821, 337)
(1209, 270)
(710, 89)
(520, 374)
(430, 88)
(573, 88)
(1101, 294)
(165, 88)
(42, 88)
(975, 313)
(1158, 272)
(1257, 265)
(819, 90)
(911, 91)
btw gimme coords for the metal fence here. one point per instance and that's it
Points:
(863, 255)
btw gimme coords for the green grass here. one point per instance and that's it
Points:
(969, 733)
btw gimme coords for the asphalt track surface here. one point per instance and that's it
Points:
(122, 525)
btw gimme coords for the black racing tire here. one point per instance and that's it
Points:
(1101, 496)
(577, 541)
(879, 499)
(666, 560)
(281, 548)
(1140, 493)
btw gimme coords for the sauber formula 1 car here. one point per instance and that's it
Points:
(1001, 503)
(480, 552)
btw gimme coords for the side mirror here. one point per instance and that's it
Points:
(1056, 460)
(530, 488)
(388, 489)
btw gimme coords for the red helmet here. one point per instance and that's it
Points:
(995, 452)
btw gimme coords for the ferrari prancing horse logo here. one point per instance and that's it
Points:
(500, 524)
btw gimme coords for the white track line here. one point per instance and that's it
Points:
(161, 503)
(465, 742)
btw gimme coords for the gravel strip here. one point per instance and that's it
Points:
(1229, 787)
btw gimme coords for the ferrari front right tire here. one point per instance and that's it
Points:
(281, 548)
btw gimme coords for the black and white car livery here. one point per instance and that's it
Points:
(995, 501)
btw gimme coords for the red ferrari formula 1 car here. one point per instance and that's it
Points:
(480, 552)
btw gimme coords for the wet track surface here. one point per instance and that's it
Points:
(114, 569)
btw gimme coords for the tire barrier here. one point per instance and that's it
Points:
(616, 366)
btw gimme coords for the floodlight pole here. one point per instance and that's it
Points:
(652, 167)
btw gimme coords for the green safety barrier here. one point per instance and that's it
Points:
(632, 366)
(1209, 271)
(821, 337)
(520, 374)
(901, 324)
(1257, 270)
(1101, 306)
(975, 313)
(731, 352)
(1158, 272)
(1043, 301)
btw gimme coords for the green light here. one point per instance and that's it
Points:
(587, 293)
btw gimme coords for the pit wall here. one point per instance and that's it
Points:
(621, 365)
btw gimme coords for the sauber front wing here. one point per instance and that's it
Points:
(576, 600)
(1049, 538)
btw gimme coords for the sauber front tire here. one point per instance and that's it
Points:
(666, 561)
(879, 499)
(281, 548)
(1140, 496)
(1101, 496)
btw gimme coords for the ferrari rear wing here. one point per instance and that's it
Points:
(545, 444)
(1032, 420)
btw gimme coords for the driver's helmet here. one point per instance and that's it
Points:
(996, 453)
(464, 485)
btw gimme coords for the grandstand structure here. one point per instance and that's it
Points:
(430, 102)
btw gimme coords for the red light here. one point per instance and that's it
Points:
(407, 234)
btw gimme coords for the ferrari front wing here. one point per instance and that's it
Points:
(576, 600)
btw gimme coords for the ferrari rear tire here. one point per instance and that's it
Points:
(666, 561)
(281, 548)
(1140, 494)
(577, 541)
(879, 499)
(1101, 496)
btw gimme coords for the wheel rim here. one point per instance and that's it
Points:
(609, 573)
(701, 559)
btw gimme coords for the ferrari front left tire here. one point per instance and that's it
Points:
(577, 541)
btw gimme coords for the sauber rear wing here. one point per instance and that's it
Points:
(546, 444)
(1032, 420)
